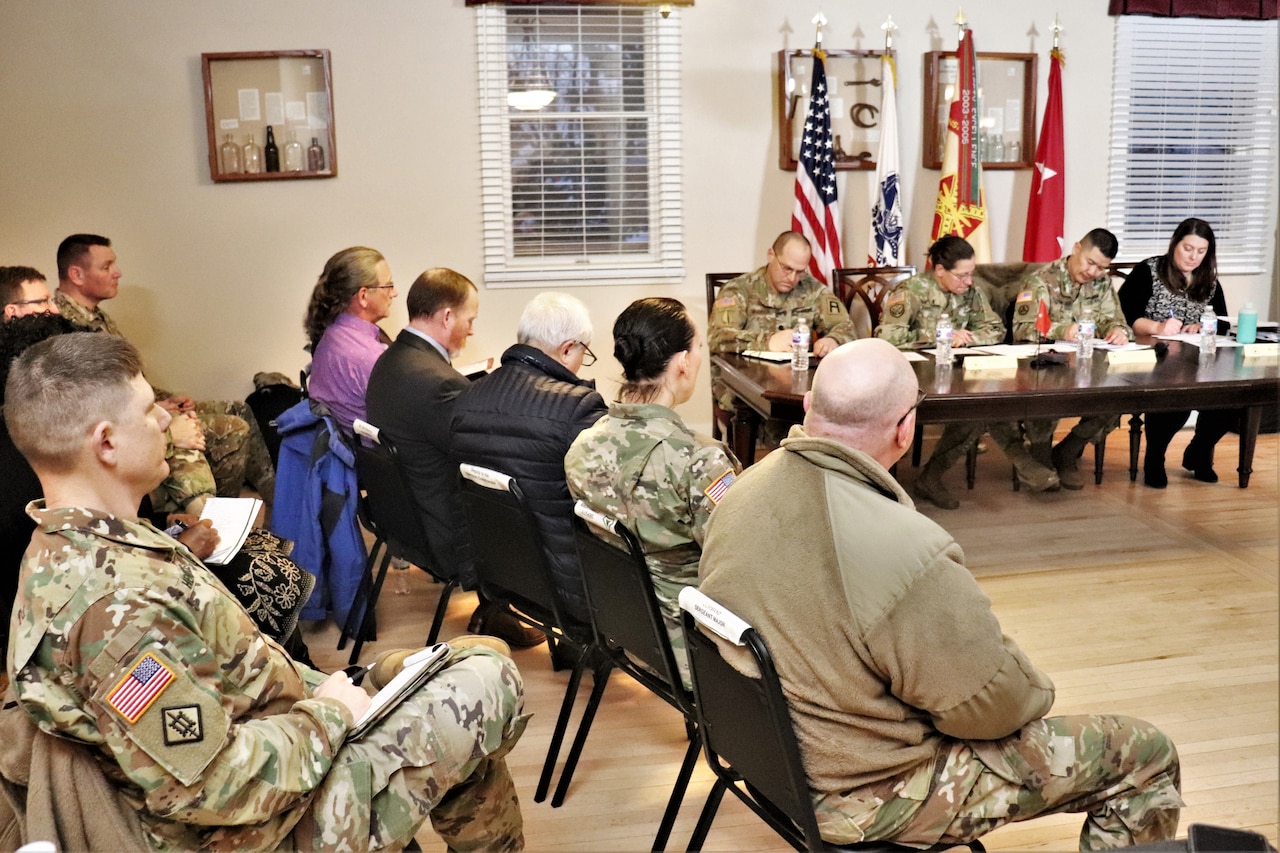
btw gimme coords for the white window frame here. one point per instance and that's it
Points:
(663, 263)
(1201, 97)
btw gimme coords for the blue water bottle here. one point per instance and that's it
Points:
(1247, 324)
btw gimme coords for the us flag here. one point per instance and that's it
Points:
(817, 215)
(142, 686)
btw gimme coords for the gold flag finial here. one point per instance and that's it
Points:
(961, 24)
(888, 26)
(1057, 28)
(819, 21)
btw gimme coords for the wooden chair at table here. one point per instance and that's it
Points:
(721, 422)
(630, 629)
(747, 736)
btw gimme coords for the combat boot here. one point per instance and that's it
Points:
(1066, 458)
(929, 486)
(1033, 475)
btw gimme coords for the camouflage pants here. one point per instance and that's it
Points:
(1121, 771)
(235, 448)
(1092, 428)
(440, 754)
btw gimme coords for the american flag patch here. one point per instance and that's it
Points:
(717, 489)
(142, 686)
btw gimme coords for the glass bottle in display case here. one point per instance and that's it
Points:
(252, 157)
(294, 160)
(230, 153)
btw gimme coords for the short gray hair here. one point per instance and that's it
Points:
(550, 319)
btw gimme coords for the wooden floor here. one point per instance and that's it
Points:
(1157, 604)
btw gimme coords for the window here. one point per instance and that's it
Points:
(1193, 133)
(587, 187)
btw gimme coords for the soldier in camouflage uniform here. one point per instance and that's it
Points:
(236, 452)
(752, 310)
(1068, 286)
(641, 465)
(124, 642)
(909, 319)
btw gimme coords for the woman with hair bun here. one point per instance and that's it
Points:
(641, 465)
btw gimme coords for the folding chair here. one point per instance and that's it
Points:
(746, 732)
(630, 629)
(511, 565)
(388, 511)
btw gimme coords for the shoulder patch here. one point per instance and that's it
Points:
(897, 309)
(182, 724)
(834, 306)
(717, 489)
(1024, 296)
(146, 680)
(724, 302)
(895, 297)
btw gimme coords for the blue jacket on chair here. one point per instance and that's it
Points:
(315, 506)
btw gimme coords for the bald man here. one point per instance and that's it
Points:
(918, 721)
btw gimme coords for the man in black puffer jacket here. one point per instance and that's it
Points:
(521, 419)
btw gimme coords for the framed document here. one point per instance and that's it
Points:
(853, 76)
(1006, 107)
(269, 115)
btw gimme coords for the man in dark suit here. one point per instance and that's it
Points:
(410, 396)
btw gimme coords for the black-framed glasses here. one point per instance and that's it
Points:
(920, 395)
(48, 300)
(588, 357)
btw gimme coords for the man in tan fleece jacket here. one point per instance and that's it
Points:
(918, 720)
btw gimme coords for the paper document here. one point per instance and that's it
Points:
(767, 355)
(418, 668)
(1015, 350)
(233, 518)
(1193, 338)
(1129, 347)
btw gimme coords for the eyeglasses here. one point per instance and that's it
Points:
(388, 286)
(959, 277)
(588, 357)
(920, 395)
(47, 301)
(790, 272)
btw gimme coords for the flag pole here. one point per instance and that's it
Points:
(888, 26)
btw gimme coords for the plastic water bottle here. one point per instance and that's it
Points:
(1208, 330)
(800, 346)
(1085, 331)
(1247, 324)
(942, 336)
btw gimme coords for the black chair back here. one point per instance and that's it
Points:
(745, 727)
(387, 509)
(629, 629)
(624, 607)
(507, 547)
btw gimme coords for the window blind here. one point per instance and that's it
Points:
(587, 188)
(1193, 133)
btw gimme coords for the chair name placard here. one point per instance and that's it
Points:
(486, 477)
(1252, 351)
(1136, 356)
(716, 618)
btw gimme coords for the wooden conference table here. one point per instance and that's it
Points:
(1179, 379)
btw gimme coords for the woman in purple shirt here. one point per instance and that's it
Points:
(353, 293)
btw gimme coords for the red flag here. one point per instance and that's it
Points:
(1042, 319)
(1043, 241)
(817, 215)
(961, 206)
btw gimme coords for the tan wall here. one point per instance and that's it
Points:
(103, 121)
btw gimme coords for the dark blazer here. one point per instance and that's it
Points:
(521, 419)
(410, 397)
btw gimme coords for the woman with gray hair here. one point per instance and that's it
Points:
(353, 293)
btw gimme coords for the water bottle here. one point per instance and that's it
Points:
(1247, 324)
(942, 336)
(1208, 330)
(800, 345)
(1085, 330)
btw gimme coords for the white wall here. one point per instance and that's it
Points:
(103, 116)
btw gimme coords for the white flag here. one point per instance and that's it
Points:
(888, 244)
